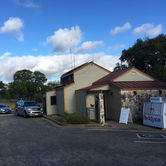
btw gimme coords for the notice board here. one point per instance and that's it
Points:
(125, 116)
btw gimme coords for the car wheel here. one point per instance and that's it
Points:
(25, 114)
(16, 113)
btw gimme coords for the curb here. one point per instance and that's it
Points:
(89, 126)
(59, 123)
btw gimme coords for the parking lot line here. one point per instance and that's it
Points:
(150, 142)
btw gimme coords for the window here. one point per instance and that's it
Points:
(53, 100)
(157, 109)
(148, 107)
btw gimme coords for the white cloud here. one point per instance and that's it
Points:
(88, 46)
(12, 27)
(63, 39)
(35, 49)
(116, 47)
(119, 29)
(26, 3)
(4, 56)
(52, 66)
(148, 29)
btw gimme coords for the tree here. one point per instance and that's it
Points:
(40, 79)
(3, 88)
(18, 89)
(119, 66)
(2, 85)
(27, 83)
(52, 84)
(24, 75)
(148, 55)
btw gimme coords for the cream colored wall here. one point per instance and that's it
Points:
(138, 77)
(113, 104)
(83, 77)
(106, 87)
(51, 109)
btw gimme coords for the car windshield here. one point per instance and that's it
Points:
(30, 103)
(3, 105)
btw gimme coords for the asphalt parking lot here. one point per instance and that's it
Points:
(38, 141)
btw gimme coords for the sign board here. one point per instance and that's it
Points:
(125, 116)
(157, 99)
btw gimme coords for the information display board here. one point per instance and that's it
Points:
(125, 116)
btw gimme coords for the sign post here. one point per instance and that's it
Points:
(125, 116)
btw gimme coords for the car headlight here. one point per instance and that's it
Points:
(2, 110)
(29, 110)
(41, 109)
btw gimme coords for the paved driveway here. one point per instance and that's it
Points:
(35, 141)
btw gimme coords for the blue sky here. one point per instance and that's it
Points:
(39, 34)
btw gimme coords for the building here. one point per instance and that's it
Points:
(62, 98)
(129, 88)
(80, 87)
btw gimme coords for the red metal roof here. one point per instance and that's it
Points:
(92, 87)
(139, 84)
(130, 84)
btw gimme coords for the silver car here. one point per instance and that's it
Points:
(4, 109)
(28, 108)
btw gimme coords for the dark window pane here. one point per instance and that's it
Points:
(53, 100)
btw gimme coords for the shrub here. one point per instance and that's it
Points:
(74, 118)
(64, 117)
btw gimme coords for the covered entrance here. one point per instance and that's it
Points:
(87, 101)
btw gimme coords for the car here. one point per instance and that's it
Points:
(28, 108)
(4, 109)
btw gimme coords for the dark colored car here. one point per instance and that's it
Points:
(4, 109)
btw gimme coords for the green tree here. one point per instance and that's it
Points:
(39, 79)
(24, 75)
(52, 84)
(2, 85)
(148, 55)
(119, 66)
(27, 83)
(18, 89)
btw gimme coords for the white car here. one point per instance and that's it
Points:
(4, 109)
